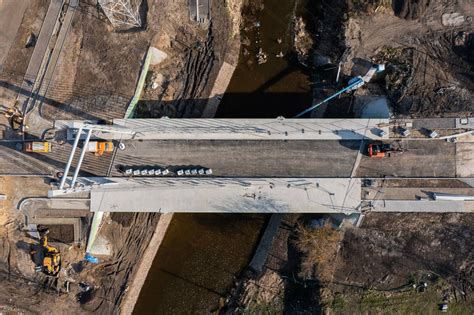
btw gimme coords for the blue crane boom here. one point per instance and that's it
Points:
(354, 83)
(350, 87)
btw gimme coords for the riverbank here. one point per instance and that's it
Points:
(145, 264)
(388, 264)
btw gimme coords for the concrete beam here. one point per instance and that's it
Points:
(229, 195)
(236, 129)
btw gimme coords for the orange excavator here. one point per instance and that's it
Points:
(379, 149)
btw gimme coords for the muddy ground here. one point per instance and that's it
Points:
(25, 290)
(16, 62)
(402, 250)
(98, 69)
(428, 56)
(426, 47)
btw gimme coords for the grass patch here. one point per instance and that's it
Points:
(406, 302)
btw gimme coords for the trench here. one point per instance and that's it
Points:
(202, 254)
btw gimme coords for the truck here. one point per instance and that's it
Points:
(37, 146)
(100, 147)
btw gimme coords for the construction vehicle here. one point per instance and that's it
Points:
(14, 116)
(100, 147)
(379, 149)
(48, 258)
(37, 146)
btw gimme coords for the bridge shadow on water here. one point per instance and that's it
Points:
(230, 105)
(263, 104)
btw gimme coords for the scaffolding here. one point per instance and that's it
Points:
(122, 13)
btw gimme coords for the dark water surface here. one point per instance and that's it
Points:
(197, 262)
(279, 87)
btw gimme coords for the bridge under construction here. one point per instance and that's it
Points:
(250, 166)
(264, 165)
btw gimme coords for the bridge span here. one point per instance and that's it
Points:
(273, 195)
(232, 129)
(273, 165)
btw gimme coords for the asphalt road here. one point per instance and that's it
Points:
(423, 158)
(293, 158)
(246, 158)
(433, 158)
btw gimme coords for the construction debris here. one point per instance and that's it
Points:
(261, 57)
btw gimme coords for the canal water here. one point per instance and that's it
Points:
(198, 261)
(279, 87)
(202, 254)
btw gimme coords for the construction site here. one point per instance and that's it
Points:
(236, 157)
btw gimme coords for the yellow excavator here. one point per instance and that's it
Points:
(14, 116)
(48, 257)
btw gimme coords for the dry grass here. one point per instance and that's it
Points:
(319, 248)
(371, 6)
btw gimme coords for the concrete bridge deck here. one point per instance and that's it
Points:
(234, 129)
(273, 195)
(229, 195)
